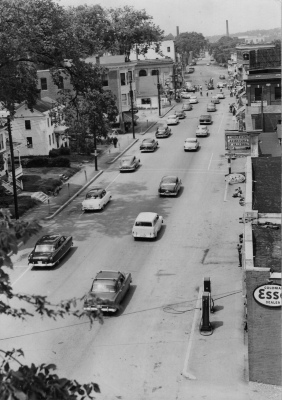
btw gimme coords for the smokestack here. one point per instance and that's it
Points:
(227, 30)
(177, 31)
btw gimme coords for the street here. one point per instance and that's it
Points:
(146, 349)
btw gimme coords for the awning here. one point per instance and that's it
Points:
(241, 109)
(127, 116)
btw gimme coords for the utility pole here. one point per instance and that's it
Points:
(13, 166)
(262, 117)
(95, 146)
(174, 80)
(132, 113)
(159, 95)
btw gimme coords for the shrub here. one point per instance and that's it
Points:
(49, 185)
(54, 153)
(37, 162)
(65, 151)
(60, 162)
(24, 204)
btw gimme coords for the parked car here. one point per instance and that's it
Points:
(202, 131)
(221, 76)
(211, 107)
(147, 225)
(185, 95)
(148, 145)
(205, 119)
(128, 163)
(163, 131)
(191, 144)
(194, 100)
(215, 100)
(189, 87)
(187, 107)
(220, 95)
(220, 85)
(180, 114)
(169, 186)
(172, 120)
(96, 199)
(49, 250)
(107, 291)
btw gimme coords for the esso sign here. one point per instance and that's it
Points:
(268, 295)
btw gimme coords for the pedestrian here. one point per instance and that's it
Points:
(234, 111)
(207, 93)
(231, 94)
(201, 93)
(239, 248)
(201, 87)
(220, 90)
(115, 140)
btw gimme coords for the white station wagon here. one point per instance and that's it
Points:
(96, 199)
(147, 225)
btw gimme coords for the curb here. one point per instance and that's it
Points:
(125, 150)
(73, 197)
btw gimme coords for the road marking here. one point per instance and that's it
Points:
(210, 162)
(226, 190)
(112, 181)
(28, 268)
(195, 318)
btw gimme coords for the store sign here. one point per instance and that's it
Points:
(268, 295)
(237, 141)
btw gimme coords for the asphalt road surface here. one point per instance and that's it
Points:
(140, 352)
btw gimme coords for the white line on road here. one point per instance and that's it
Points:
(226, 190)
(210, 162)
(186, 362)
(112, 181)
(28, 268)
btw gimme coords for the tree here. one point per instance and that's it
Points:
(223, 48)
(189, 41)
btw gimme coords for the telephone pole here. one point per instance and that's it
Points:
(13, 166)
(132, 113)
(159, 95)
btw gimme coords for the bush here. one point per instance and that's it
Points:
(49, 185)
(54, 153)
(62, 151)
(65, 151)
(60, 162)
(37, 162)
(24, 204)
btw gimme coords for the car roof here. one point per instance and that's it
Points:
(171, 178)
(148, 140)
(127, 157)
(191, 140)
(111, 275)
(202, 127)
(171, 116)
(146, 216)
(211, 104)
(205, 116)
(48, 239)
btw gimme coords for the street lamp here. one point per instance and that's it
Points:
(132, 111)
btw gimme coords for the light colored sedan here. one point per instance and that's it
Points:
(202, 131)
(128, 163)
(147, 225)
(191, 144)
(185, 95)
(172, 120)
(211, 107)
(96, 199)
(194, 99)
(220, 95)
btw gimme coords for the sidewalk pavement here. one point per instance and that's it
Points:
(82, 179)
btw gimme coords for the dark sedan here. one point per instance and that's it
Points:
(163, 131)
(107, 291)
(180, 114)
(128, 163)
(149, 145)
(169, 186)
(49, 250)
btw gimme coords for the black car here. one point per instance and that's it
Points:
(169, 186)
(49, 250)
(163, 131)
(148, 145)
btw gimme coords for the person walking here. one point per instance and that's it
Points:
(207, 93)
(115, 140)
(239, 248)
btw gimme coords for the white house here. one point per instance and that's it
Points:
(35, 131)
(167, 49)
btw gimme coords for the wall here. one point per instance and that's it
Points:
(264, 334)
(152, 55)
(52, 89)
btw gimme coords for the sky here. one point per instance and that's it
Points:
(203, 16)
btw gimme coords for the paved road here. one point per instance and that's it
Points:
(144, 351)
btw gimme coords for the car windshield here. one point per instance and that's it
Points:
(126, 160)
(93, 195)
(103, 286)
(142, 223)
(44, 248)
(191, 140)
(172, 116)
(169, 180)
(150, 141)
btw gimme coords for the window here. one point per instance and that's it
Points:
(246, 56)
(258, 93)
(122, 79)
(49, 140)
(124, 99)
(168, 49)
(1, 142)
(105, 80)
(43, 82)
(154, 72)
(27, 124)
(142, 72)
(146, 101)
(53, 138)
(48, 122)
(129, 76)
(277, 93)
(61, 83)
(29, 142)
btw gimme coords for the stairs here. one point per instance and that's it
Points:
(40, 196)
(9, 187)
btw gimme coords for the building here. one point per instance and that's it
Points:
(166, 50)
(253, 39)
(48, 88)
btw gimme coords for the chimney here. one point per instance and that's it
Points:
(227, 30)
(177, 31)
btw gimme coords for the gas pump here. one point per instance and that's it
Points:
(207, 307)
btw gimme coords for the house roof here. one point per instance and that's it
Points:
(158, 61)
(267, 184)
(267, 247)
(41, 105)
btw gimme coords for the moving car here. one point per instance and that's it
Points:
(202, 131)
(187, 107)
(96, 199)
(220, 95)
(194, 100)
(221, 76)
(169, 186)
(163, 131)
(205, 119)
(210, 86)
(185, 95)
(215, 100)
(49, 250)
(189, 87)
(128, 163)
(107, 291)
(180, 114)
(148, 145)
(220, 85)
(191, 144)
(172, 120)
(147, 225)
(211, 107)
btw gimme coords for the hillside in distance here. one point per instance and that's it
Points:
(271, 34)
